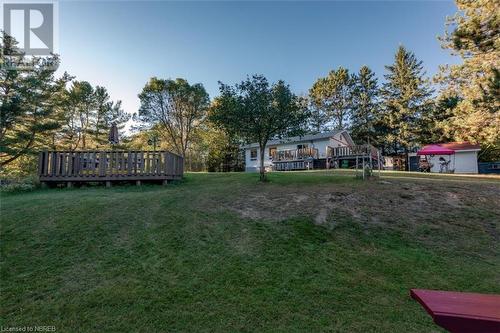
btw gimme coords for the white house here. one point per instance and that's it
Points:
(462, 157)
(295, 153)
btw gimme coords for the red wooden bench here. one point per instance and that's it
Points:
(461, 312)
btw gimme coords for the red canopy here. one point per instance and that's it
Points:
(435, 150)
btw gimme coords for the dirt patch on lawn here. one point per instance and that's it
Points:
(417, 207)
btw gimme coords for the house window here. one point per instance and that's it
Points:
(272, 151)
(253, 154)
(302, 146)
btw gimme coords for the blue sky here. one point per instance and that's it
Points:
(121, 44)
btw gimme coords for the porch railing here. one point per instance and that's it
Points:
(356, 150)
(295, 154)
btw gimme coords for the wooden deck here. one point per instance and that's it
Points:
(294, 159)
(352, 151)
(108, 166)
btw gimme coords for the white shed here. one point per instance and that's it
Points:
(464, 159)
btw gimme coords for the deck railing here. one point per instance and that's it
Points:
(109, 165)
(295, 154)
(356, 150)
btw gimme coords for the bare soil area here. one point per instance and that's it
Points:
(412, 206)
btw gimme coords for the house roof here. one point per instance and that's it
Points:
(461, 146)
(307, 137)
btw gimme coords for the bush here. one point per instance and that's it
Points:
(18, 184)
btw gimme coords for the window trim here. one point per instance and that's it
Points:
(252, 150)
(269, 151)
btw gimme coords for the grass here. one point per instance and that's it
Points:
(222, 252)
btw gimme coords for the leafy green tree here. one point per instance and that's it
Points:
(331, 96)
(406, 98)
(27, 101)
(473, 34)
(176, 107)
(257, 112)
(365, 106)
(223, 150)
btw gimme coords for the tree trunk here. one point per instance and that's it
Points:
(262, 170)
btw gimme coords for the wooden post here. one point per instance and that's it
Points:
(41, 162)
(138, 182)
(363, 170)
(165, 182)
(69, 184)
(108, 183)
(356, 165)
(379, 162)
(102, 163)
(371, 160)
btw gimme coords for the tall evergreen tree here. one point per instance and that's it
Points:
(331, 95)
(473, 34)
(406, 99)
(87, 114)
(107, 113)
(434, 126)
(27, 101)
(365, 106)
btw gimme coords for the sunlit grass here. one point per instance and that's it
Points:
(175, 258)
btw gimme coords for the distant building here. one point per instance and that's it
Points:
(312, 151)
(457, 157)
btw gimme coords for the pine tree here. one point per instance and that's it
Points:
(406, 99)
(473, 34)
(27, 105)
(331, 95)
(365, 106)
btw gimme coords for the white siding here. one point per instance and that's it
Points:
(462, 162)
(254, 165)
(466, 162)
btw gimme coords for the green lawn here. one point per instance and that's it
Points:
(306, 252)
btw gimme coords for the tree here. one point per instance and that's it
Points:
(436, 126)
(472, 34)
(365, 105)
(405, 99)
(223, 150)
(177, 107)
(27, 101)
(87, 114)
(258, 112)
(318, 119)
(332, 95)
(107, 113)
(79, 109)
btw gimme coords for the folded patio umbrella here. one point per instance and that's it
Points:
(113, 135)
